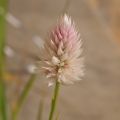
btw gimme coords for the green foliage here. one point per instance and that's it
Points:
(54, 100)
(3, 10)
(23, 96)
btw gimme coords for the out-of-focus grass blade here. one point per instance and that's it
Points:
(57, 117)
(3, 110)
(3, 10)
(23, 96)
(40, 110)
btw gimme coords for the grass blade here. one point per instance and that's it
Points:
(23, 96)
(3, 10)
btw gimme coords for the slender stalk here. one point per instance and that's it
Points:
(3, 110)
(54, 100)
(57, 117)
(3, 10)
(23, 96)
(40, 110)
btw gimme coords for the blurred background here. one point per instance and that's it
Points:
(97, 96)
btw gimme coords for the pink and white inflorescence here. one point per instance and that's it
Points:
(61, 57)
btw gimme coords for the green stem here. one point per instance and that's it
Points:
(3, 111)
(3, 103)
(54, 100)
(23, 96)
(40, 110)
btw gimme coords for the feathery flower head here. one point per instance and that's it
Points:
(61, 56)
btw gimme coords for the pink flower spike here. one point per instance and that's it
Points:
(63, 53)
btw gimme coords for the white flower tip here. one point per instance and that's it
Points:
(9, 51)
(50, 84)
(67, 19)
(55, 60)
(38, 41)
(31, 68)
(13, 20)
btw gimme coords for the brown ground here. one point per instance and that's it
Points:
(97, 97)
